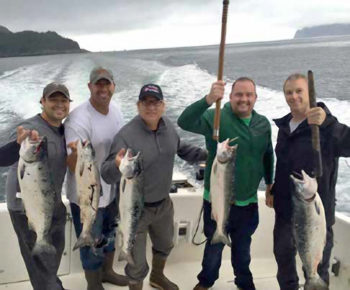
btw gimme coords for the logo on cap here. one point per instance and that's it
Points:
(151, 90)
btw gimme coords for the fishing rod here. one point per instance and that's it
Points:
(220, 69)
(315, 130)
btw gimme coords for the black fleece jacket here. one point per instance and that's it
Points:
(294, 153)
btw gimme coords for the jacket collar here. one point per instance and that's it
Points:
(284, 121)
(162, 125)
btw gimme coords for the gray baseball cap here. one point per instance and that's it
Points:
(99, 73)
(52, 88)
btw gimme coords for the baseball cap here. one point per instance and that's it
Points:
(99, 73)
(151, 90)
(52, 88)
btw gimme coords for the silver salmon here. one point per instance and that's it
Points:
(37, 191)
(88, 189)
(309, 228)
(221, 188)
(131, 201)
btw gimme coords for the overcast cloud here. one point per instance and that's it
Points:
(128, 24)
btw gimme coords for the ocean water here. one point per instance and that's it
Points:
(185, 75)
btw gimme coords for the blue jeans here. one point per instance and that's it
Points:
(103, 229)
(241, 225)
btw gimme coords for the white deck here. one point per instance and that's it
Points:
(185, 260)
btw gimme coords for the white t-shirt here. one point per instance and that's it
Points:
(294, 124)
(86, 123)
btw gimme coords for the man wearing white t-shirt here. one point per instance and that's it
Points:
(97, 120)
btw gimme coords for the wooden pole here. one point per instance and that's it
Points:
(315, 131)
(221, 68)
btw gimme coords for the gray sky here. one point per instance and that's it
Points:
(130, 24)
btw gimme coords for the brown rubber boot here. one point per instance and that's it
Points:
(200, 287)
(157, 278)
(135, 285)
(93, 279)
(108, 274)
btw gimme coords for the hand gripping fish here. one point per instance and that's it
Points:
(309, 228)
(131, 202)
(37, 191)
(221, 188)
(88, 189)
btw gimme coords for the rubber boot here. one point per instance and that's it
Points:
(157, 278)
(93, 279)
(108, 274)
(135, 285)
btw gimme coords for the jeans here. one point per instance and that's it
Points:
(241, 225)
(103, 229)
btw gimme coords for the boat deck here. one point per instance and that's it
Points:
(184, 274)
(184, 262)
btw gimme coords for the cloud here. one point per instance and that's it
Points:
(126, 24)
(85, 17)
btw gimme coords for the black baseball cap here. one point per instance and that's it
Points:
(151, 90)
(52, 88)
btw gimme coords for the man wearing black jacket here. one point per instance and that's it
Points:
(294, 153)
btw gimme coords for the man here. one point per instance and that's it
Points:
(253, 161)
(42, 269)
(294, 153)
(9, 153)
(152, 134)
(97, 120)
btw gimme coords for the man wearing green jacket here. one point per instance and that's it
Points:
(254, 160)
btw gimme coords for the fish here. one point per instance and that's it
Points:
(309, 228)
(222, 188)
(131, 202)
(37, 191)
(88, 184)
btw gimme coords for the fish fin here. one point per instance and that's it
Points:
(83, 241)
(317, 208)
(43, 247)
(81, 169)
(315, 283)
(219, 238)
(123, 256)
(123, 185)
(22, 170)
(215, 166)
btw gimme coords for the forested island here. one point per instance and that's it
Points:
(27, 43)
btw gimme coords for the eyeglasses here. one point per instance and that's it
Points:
(149, 103)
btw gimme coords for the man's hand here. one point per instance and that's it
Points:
(268, 196)
(216, 92)
(120, 155)
(73, 146)
(24, 133)
(72, 158)
(316, 116)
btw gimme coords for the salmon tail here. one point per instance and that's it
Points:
(83, 241)
(130, 259)
(315, 283)
(43, 246)
(220, 238)
(122, 256)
